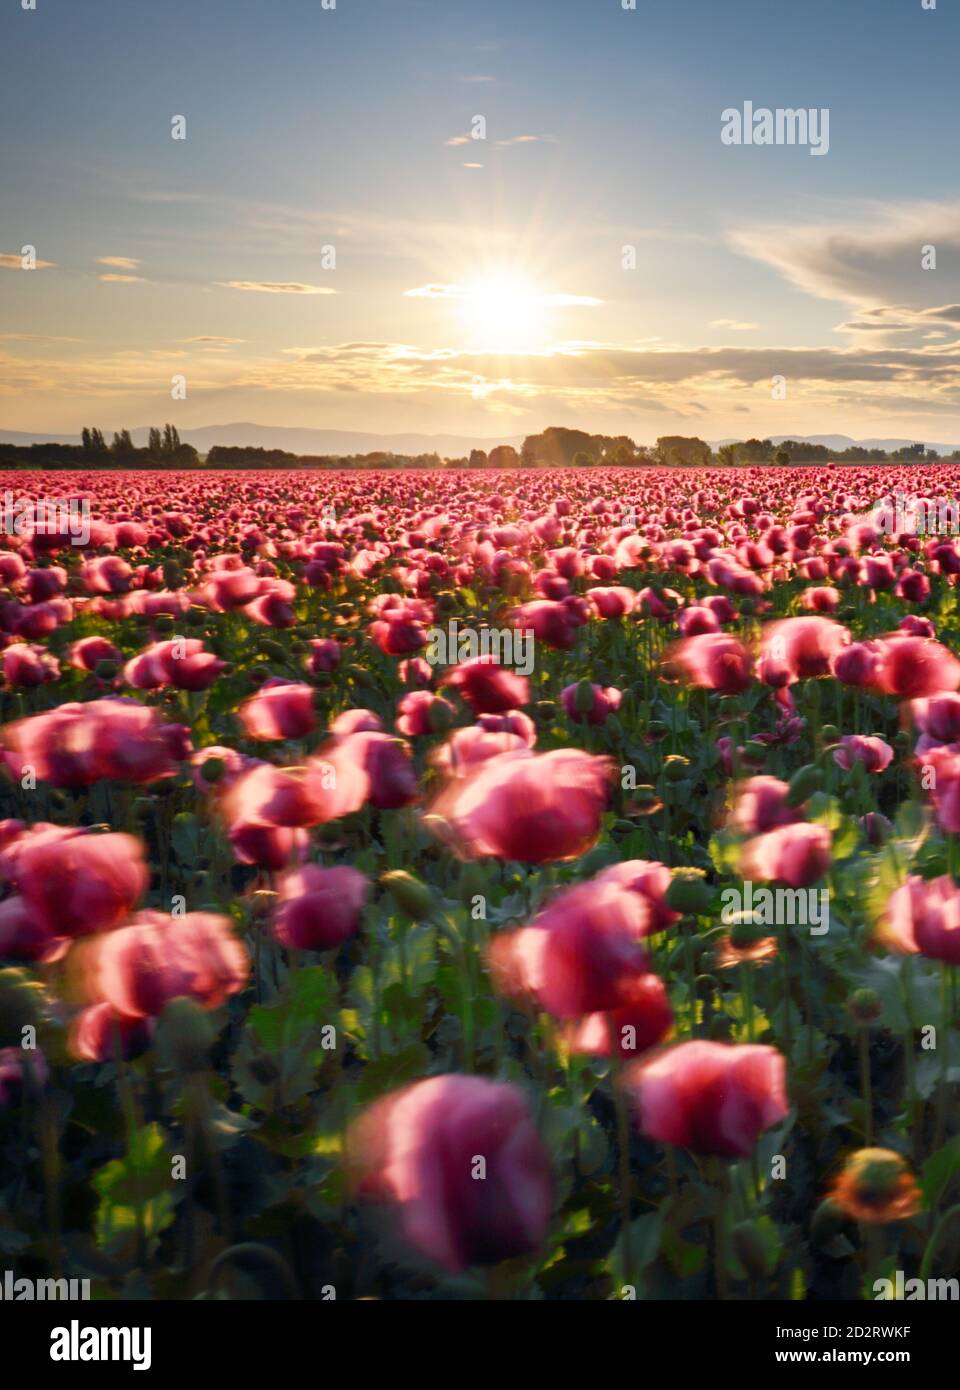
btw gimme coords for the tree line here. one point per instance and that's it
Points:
(554, 447)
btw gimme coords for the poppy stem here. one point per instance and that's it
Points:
(865, 1088)
(623, 1144)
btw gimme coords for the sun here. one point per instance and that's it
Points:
(503, 312)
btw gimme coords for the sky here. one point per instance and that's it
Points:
(330, 246)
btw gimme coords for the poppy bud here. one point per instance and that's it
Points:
(412, 896)
(803, 784)
(185, 1035)
(828, 1221)
(106, 670)
(583, 697)
(439, 717)
(830, 733)
(213, 769)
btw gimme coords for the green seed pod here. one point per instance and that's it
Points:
(676, 769)
(830, 733)
(689, 893)
(731, 707)
(755, 752)
(412, 896)
(645, 795)
(268, 647)
(546, 709)
(750, 1250)
(747, 933)
(803, 784)
(865, 1005)
(195, 617)
(106, 670)
(212, 770)
(185, 1035)
(163, 622)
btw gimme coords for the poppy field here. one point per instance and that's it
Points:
(518, 885)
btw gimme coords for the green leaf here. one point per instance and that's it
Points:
(139, 1183)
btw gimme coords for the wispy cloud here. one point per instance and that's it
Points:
(119, 262)
(213, 340)
(734, 325)
(274, 287)
(14, 261)
(111, 279)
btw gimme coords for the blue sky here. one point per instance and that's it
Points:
(309, 128)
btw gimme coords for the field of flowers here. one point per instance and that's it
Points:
(520, 885)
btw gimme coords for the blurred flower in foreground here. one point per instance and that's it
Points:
(875, 753)
(923, 915)
(643, 1019)
(876, 1186)
(796, 855)
(460, 1159)
(581, 955)
(714, 661)
(137, 969)
(77, 744)
(74, 883)
(319, 908)
(534, 808)
(710, 1097)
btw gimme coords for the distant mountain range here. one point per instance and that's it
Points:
(839, 442)
(343, 442)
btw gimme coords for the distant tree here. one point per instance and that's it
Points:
(782, 457)
(727, 455)
(122, 443)
(503, 456)
(85, 440)
(97, 442)
(478, 458)
(155, 444)
(679, 450)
